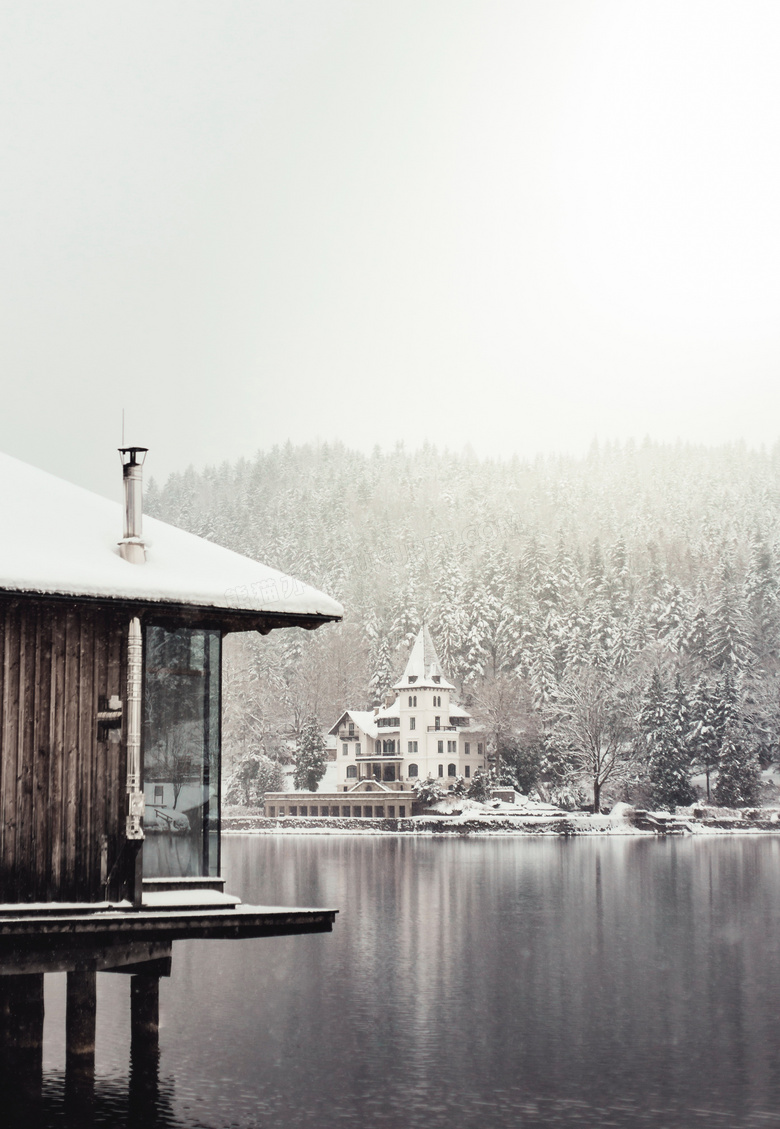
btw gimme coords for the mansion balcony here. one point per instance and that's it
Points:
(363, 758)
(442, 728)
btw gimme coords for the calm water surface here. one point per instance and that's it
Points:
(475, 982)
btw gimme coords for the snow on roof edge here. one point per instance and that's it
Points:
(62, 540)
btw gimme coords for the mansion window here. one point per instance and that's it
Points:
(467, 748)
(441, 747)
(467, 770)
(441, 770)
(479, 749)
(452, 747)
(411, 747)
(437, 722)
(351, 771)
(412, 723)
(357, 749)
(412, 699)
(378, 747)
(451, 770)
(345, 750)
(413, 771)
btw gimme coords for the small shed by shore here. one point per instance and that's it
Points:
(110, 699)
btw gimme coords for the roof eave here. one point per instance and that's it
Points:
(194, 615)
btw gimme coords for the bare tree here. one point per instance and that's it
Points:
(497, 706)
(592, 728)
(172, 762)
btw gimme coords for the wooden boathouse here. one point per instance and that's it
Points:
(110, 698)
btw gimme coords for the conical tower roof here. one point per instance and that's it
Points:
(423, 667)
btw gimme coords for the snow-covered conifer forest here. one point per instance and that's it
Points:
(613, 620)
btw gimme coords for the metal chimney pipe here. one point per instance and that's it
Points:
(131, 547)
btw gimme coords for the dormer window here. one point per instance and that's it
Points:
(436, 678)
(412, 678)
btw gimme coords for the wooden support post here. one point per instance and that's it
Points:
(80, 1013)
(135, 848)
(144, 1043)
(21, 1042)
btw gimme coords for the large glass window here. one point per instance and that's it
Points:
(181, 753)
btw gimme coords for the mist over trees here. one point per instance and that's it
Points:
(613, 621)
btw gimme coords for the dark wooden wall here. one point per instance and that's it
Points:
(62, 789)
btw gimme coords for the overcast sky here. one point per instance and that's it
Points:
(514, 224)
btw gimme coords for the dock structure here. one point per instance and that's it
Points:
(110, 754)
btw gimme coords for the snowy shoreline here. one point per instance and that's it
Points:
(444, 826)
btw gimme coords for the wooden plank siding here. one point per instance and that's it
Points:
(62, 790)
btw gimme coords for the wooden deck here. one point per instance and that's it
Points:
(66, 936)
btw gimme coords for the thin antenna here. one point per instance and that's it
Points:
(123, 427)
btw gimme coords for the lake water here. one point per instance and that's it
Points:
(481, 982)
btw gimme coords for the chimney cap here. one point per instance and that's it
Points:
(130, 455)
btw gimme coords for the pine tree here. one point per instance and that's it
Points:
(654, 713)
(309, 756)
(669, 774)
(739, 773)
(761, 590)
(680, 715)
(705, 739)
(728, 643)
(541, 675)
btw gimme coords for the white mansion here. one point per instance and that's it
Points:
(422, 732)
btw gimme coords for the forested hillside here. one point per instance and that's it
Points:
(641, 579)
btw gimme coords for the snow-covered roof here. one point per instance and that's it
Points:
(59, 539)
(423, 668)
(363, 719)
(388, 711)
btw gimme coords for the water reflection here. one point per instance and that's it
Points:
(477, 982)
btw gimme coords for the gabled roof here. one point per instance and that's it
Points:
(390, 711)
(370, 786)
(57, 539)
(423, 667)
(363, 719)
